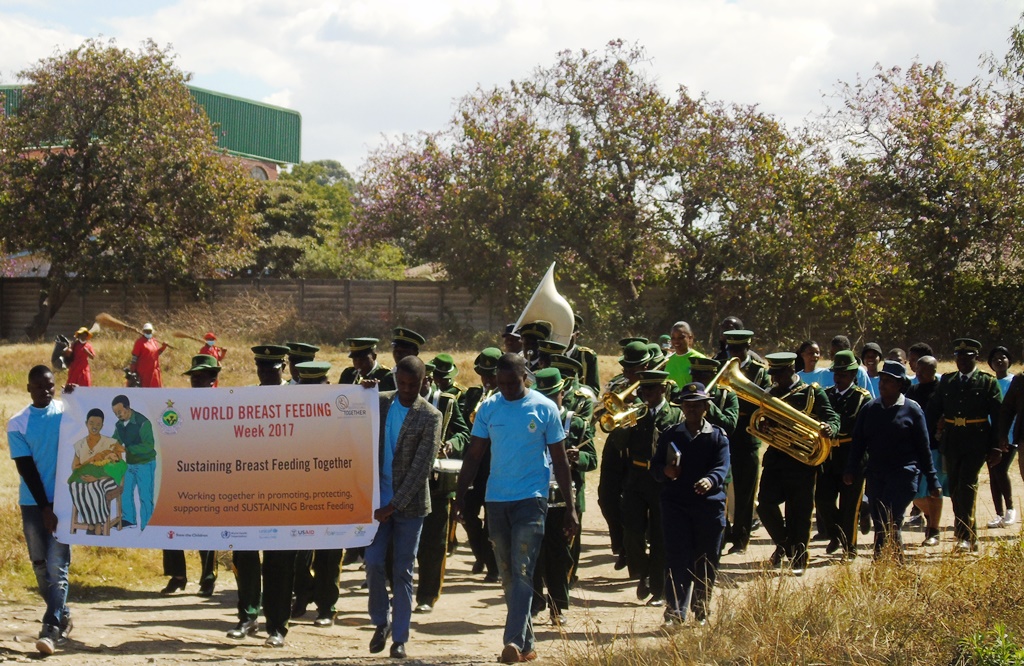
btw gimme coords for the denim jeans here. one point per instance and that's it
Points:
(50, 561)
(517, 531)
(404, 534)
(140, 476)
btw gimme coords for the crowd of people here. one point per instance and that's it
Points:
(699, 450)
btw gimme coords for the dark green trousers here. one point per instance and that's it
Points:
(432, 555)
(278, 573)
(745, 461)
(249, 580)
(963, 465)
(641, 519)
(790, 482)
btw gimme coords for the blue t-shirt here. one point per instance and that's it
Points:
(873, 385)
(520, 433)
(820, 376)
(392, 427)
(35, 433)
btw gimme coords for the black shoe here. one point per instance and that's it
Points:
(865, 518)
(126, 523)
(274, 640)
(642, 589)
(478, 567)
(206, 587)
(777, 556)
(833, 546)
(756, 525)
(656, 602)
(398, 650)
(380, 638)
(423, 608)
(324, 620)
(737, 550)
(173, 585)
(620, 562)
(244, 628)
(299, 608)
(492, 578)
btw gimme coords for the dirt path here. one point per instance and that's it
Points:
(132, 627)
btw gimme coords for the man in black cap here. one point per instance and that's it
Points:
(641, 503)
(891, 432)
(586, 356)
(299, 352)
(744, 448)
(278, 568)
(614, 464)
(511, 340)
(839, 521)
(365, 367)
(405, 342)
(558, 560)
(730, 323)
(531, 334)
(690, 464)
(962, 412)
(784, 479)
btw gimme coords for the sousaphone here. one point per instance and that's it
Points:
(547, 304)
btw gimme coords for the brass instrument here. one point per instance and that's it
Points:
(483, 396)
(780, 425)
(618, 412)
(548, 305)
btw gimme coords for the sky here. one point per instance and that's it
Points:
(363, 71)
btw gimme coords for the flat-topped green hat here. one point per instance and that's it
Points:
(625, 341)
(313, 369)
(406, 337)
(653, 378)
(635, 353)
(445, 364)
(539, 329)
(966, 346)
(550, 347)
(361, 346)
(568, 366)
(699, 364)
(844, 360)
(738, 336)
(269, 354)
(780, 361)
(302, 350)
(548, 381)
(201, 363)
(486, 362)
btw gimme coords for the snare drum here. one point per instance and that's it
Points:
(447, 466)
(555, 495)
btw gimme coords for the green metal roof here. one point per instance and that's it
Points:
(243, 127)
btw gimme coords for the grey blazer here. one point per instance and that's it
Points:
(418, 442)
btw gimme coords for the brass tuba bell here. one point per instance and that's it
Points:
(778, 424)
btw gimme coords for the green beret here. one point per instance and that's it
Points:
(299, 350)
(966, 346)
(361, 346)
(567, 365)
(699, 364)
(844, 360)
(269, 353)
(313, 369)
(653, 377)
(539, 329)
(635, 353)
(445, 364)
(201, 363)
(780, 361)
(486, 362)
(739, 336)
(550, 347)
(406, 337)
(548, 381)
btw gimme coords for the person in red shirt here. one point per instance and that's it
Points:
(78, 355)
(146, 358)
(211, 348)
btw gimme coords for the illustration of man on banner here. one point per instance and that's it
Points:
(135, 433)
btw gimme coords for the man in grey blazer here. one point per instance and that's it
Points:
(410, 434)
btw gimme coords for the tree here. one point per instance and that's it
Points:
(111, 172)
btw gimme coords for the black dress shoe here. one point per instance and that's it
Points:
(737, 550)
(656, 602)
(324, 620)
(642, 590)
(492, 578)
(244, 628)
(833, 546)
(620, 562)
(206, 587)
(173, 585)
(478, 567)
(274, 640)
(299, 608)
(398, 650)
(380, 638)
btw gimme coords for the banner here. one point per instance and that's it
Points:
(253, 468)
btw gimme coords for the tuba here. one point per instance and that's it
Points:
(548, 305)
(782, 426)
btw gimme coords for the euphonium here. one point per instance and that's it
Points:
(618, 413)
(780, 425)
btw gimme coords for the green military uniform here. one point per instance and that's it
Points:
(614, 464)
(641, 495)
(724, 406)
(557, 559)
(586, 357)
(840, 521)
(278, 569)
(964, 410)
(785, 480)
(433, 549)
(579, 400)
(362, 347)
(744, 448)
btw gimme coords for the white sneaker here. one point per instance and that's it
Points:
(996, 522)
(1010, 517)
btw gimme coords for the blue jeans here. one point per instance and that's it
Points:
(404, 534)
(141, 476)
(50, 561)
(517, 531)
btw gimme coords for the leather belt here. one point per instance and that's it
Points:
(642, 463)
(961, 421)
(844, 440)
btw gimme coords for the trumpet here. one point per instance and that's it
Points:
(794, 432)
(618, 412)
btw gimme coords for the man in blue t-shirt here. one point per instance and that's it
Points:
(33, 435)
(523, 432)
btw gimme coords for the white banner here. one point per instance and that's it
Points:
(253, 468)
